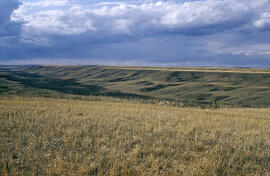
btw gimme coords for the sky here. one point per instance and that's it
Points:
(226, 33)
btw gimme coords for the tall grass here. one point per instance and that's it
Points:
(46, 136)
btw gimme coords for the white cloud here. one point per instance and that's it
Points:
(263, 21)
(47, 3)
(251, 52)
(125, 18)
(202, 31)
(109, 3)
(56, 22)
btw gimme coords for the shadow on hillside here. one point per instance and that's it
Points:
(69, 86)
(125, 95)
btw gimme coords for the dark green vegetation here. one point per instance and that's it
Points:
(186, 86)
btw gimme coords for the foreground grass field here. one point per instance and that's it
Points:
(43, 136)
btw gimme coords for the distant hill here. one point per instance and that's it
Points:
(190, 86)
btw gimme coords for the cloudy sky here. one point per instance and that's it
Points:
(136, 32)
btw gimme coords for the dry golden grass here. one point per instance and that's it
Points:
(40, 136)
(196, 69)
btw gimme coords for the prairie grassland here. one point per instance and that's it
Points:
(190, 86)
(200, 69)
(46, 136)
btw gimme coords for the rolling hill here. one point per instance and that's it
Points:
(187, 86)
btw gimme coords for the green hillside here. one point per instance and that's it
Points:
(187, 86)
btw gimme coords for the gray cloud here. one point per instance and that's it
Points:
(7, 27)
(206, 32)
(192, 18)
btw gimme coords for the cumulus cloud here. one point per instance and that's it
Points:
(206, 32)
(194, 18)
(47, 3)
(264, 21)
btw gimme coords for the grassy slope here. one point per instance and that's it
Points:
(41, 136)
(192, 86)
